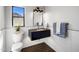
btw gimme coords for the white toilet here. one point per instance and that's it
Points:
(17, 42)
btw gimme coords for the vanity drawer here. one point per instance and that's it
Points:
(39, 34)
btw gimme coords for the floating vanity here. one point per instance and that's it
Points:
(36, 34)
(39, 32)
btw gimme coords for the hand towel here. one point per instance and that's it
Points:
(58, 28)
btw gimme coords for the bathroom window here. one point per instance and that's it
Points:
(18, 16)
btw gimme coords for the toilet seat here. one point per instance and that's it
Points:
(17, 47)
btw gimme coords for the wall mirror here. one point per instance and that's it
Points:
(18, 17)
(37, 17)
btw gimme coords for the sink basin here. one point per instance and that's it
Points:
(40, 29)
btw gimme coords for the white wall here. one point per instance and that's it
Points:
(1, 17)
(2, 31)
(64, 14)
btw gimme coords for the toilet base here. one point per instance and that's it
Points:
(16, 47)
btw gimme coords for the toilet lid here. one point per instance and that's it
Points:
(17, 46)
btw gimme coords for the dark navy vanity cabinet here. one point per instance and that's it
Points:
(39, 34)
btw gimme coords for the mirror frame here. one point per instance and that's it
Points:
(34, 19)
